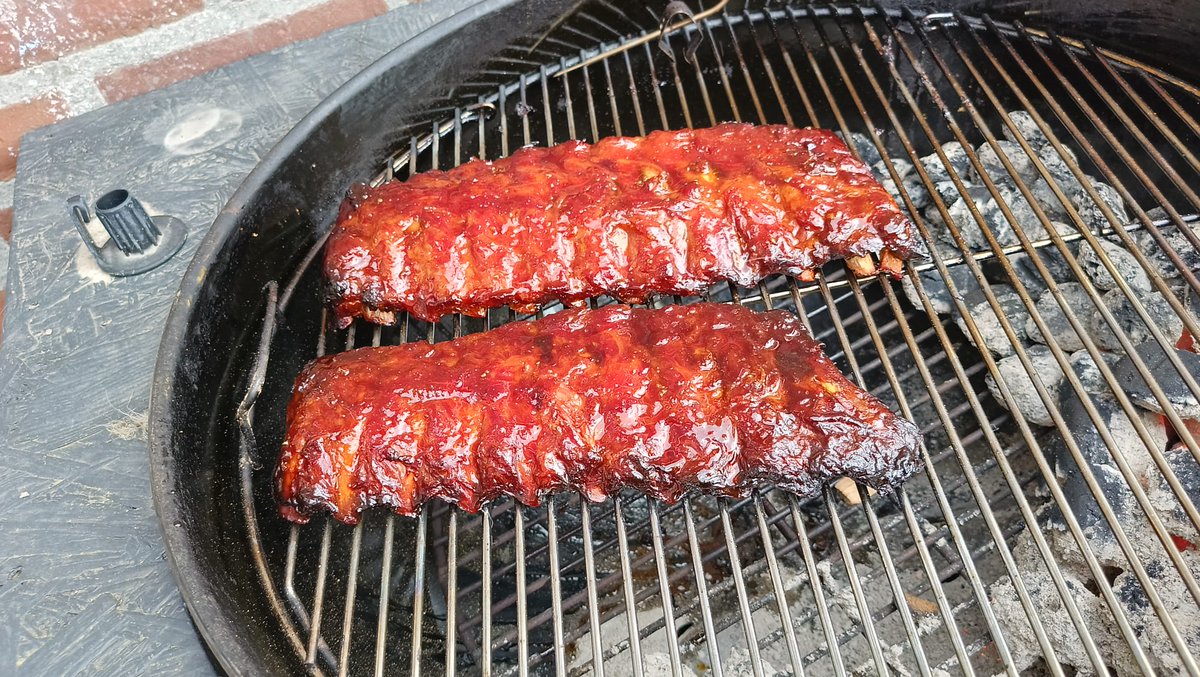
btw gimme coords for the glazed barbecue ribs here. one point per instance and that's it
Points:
(669, 213)
(710, 397)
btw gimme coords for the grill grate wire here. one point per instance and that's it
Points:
(824, 585)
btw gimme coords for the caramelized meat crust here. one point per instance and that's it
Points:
(669, 213)
(709, 397)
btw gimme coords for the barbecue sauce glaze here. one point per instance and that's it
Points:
(671, 213)
(709, 397)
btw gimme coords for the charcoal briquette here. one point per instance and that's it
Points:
(1090, 378)
(1166, 376)
(1027, 128)
(936, 289)
(1016, 155)
(1125, 264)
(1075, 298)
(863, 145)
(989, 325)
(956, 155)
(1020, 384)
(1127, 319)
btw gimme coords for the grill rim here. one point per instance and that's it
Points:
(221, 627)
(174, 340)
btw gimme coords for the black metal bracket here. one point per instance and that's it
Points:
(137, 242)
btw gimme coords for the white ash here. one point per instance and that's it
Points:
(942, 239)
(660, 664)
(956, 155)
(989, 325)
(1098, 535)
(837, 593)
(1061, 632)
(735, 659)
(1036, 230)
(1048, 606)
(1066, 156)
(616, 630)
(1059, 171)
(1024, 217)
(1048, 201)
(738, 663)
(1076, 298)
(1089, 374)
(948, 191)
(1123, 262)
(1016, 155)
(1027, 128)
(1111, 197)
(1179, 603)
(1020, 384)
(1121, 307)
(1025, 270)
(1162, 497)
(1157, 362)
(990, 210)
(918, 194)
(903, 168)
(936, 289)
(844, 611)
(1133, 601)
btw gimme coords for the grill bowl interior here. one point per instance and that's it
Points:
(821, 584)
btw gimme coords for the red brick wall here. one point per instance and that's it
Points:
(108, 50)
(65, 57)
(195, 59)
(46, 30)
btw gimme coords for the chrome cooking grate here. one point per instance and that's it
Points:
(1002, 555)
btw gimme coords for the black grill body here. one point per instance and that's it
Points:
(825, 586)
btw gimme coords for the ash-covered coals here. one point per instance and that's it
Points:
(1096, 494)
(1043, 296)
(1043, 305)
(1058, 325)
(1081, 337)
(1052, 318)
(1080, 585)
(971, 215)
(989, 325)
(1118, 464)
(1120, 260)
(1021, 387)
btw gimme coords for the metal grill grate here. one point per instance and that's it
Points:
(847, 582)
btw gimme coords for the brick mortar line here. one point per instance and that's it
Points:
(74, 75)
